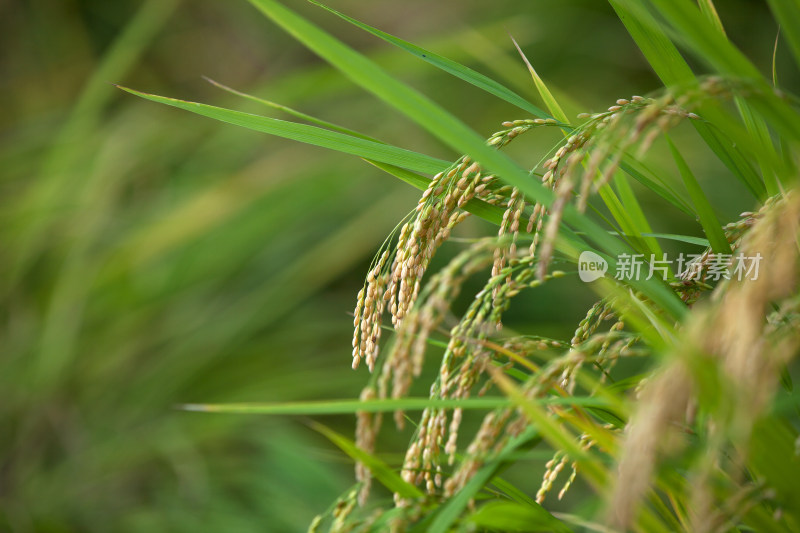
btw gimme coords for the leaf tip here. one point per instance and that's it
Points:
(195, 407)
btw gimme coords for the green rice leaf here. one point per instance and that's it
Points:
(763, 147)
(671, 67)
(681, 238)
(416, 106)
(731, 157)
(709, 221)
(773, 454)
(289, 111)
(712, 47)
(382, 472)
(787, 13)
(544, 92)
(552, 431)
(638, 220)
(755, 125)
(704, 37)
(653, 182)
(516, 494)
(338, 407)
(308, 134)
(657, 48)
(623, 217)
(451, 67)
(710, 11)
(513, 516)
(449, 513)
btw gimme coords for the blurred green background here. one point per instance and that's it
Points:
(152, 258)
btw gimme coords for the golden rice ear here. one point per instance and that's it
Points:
(662, 405)
(370, 305)
(563, 194)
(730, 328)
(367, 427)
(751, 351)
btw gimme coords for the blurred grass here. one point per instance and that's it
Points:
(151, 258)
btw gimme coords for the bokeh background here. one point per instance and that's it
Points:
(152, 258)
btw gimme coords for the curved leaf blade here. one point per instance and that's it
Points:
(339, 407)
(382, 472)
(512, 516)
(447, 65)
(307, 134)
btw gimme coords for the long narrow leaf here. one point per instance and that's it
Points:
(544, 92)
(338, 407)
(710, 11)
(652, 181)
(730, 156)
(712, 47)
(737, 63)
(663, 56)
(512, 516)
(290, 111)
(456, 69)
(308, 134)
(455, 506)
(382, 472)
(635, 213)
(550, 430)
(681, 238)
(705, 212)
(671, 67)
(787, 13)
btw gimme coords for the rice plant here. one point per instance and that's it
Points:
(670, 406)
